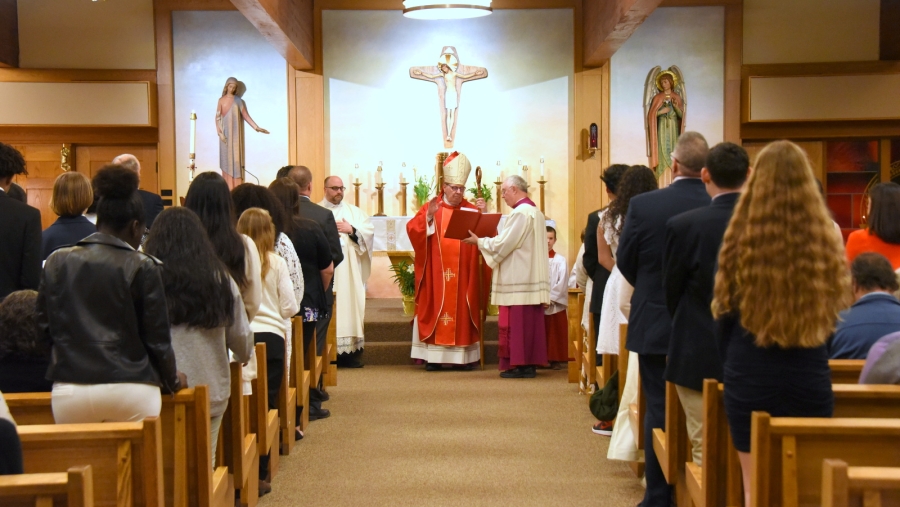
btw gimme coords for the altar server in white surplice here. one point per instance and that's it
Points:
(357, 239)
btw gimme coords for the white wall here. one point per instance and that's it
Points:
(691, 38)
(796, 31)
(376, 112)
(209, 47)
(80, 34)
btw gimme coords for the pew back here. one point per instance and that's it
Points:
(787, 454)
(846, 371)
(73, 488)
(843, 485)
(126, 458)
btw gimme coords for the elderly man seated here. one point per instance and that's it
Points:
(876, 312)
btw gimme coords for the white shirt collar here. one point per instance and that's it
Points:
(677, 178)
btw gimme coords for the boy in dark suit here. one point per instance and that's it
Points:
(639, 258)
(20, 230)
(689, 269)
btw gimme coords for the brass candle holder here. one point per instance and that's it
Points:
(541, 182)
(403, 198)
(356, 186)
(498, 200)
(379, 187)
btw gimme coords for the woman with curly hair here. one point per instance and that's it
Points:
(781, 283)
(637, 180)
(883, 233)
(24, 356)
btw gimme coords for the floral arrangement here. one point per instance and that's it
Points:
(485, 193)
(423, 189)
(405, 278)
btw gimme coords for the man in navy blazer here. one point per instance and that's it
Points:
(640, 259)
(693, 240)
(153, 204)
(876, 312)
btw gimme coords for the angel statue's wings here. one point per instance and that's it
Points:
(650, 91)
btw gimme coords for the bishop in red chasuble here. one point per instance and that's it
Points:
(447, 323)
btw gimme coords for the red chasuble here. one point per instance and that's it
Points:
(447, 296)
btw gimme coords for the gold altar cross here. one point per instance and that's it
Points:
(446, 319)
(448, 275)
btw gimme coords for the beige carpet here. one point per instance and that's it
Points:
(401, 436)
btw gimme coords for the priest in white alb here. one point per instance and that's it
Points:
(520, 285)
(357, 236)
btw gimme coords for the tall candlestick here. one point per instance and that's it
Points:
(497, 184)
(193, 131)
(542, 167)
(379, 187)
(403, 197)
(542, 182)
(378, 176)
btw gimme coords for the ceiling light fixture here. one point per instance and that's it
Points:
(429, 9)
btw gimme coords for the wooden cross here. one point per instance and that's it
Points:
(448, 71)
(448, 275)
(446, 319)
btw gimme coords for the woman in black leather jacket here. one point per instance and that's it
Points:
(103, 307)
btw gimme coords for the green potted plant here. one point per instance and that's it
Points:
(405, 278)
(422, 190)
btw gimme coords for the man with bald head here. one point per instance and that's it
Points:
(153, 204)
(357, 235)
(520, 282)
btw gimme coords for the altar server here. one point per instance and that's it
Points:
(521, 281)
(556, 318)
(357, 236)
(448, 300)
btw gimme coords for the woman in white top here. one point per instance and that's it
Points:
(635, 181)
(209, 198)
(278, 303)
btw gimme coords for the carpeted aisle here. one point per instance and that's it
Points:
(401, 436)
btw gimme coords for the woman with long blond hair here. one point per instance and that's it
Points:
(781, 283)
(278, 303)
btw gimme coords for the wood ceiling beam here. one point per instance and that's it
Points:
(286, 24)
(9, 34)
(609, 23)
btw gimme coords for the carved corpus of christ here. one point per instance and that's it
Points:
(449, 77)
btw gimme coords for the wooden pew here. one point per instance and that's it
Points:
(588, 359)
(576, 333)
(300, 376)
(329, 368)
(73, 488)
(125, 458)
(287, 406)
(846, 371)
(843, 485)
(672, 445)
(787, 454)
(188, 475)
(263, 421)
(239, 449)
(721, 468)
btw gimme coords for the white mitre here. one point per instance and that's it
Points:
(456, 169)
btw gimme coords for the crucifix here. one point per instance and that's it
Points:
(448, 274)
(449, 77)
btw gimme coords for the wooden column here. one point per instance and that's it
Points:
(286, 24)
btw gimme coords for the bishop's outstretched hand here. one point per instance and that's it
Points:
(433, 207)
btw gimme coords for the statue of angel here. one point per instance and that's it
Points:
(665, 102)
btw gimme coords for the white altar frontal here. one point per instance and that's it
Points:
(391, 246)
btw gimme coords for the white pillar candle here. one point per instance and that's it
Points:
(193, 132)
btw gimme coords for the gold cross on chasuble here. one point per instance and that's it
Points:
(448, 274)
(446, 319)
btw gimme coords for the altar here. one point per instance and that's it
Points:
(392, 245)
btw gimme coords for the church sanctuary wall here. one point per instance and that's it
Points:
(75, 34)
(209, 47)
(803, 31)
(691, 38)
(374, 111)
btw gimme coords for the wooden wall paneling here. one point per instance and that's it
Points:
(889, 36)
(585, 184)
(885, 160)
(42, 161)
(815, 151)
(308, 128)
(9, 34)
(90, 158)
(734, 40)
